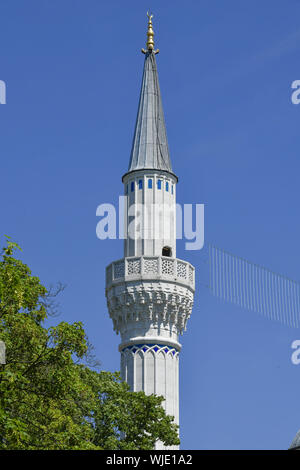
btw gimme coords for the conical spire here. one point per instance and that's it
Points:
(150, 145)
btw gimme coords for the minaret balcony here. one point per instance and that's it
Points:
(151, 268)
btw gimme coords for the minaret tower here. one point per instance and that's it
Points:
(150, 292)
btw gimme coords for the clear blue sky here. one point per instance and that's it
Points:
(73, 70)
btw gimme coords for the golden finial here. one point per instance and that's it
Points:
(150, 36)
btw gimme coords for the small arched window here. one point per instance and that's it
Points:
(166, 251)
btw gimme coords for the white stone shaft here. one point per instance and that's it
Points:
(150, 216)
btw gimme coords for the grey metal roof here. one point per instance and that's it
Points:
(150, 145)
(296, 441)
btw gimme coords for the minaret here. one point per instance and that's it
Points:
(150, 292)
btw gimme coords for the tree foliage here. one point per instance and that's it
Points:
(49, 397)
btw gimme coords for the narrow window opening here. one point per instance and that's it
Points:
(158, 184)
(132, 186)
(167, 186)
(150, 183)
(140, 184)
(166, 251)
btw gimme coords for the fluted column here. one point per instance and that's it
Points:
(153, 368)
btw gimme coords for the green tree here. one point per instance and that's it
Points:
(49, 397)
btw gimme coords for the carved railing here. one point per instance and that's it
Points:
(150, 267)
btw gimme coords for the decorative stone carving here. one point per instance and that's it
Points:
(168, 266)
(181, 269)
(119, 269)
(151, 267)
(149, 307)
(134, 266)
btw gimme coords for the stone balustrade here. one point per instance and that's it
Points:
(150, 267)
